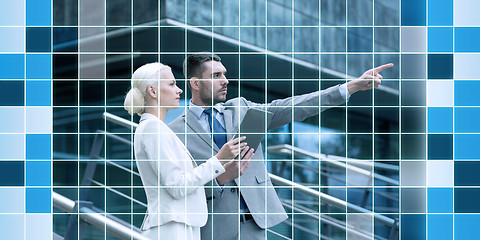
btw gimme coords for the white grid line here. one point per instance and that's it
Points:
(426, 119)
(453, 122)
(400, 153)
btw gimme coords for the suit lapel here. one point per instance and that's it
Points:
(195, 126)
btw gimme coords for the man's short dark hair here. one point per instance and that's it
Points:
(193, 64)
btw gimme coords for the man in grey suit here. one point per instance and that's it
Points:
(244, 206)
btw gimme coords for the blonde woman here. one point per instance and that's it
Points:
(173, 182)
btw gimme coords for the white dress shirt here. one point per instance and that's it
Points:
(203, 117)
(203, 120)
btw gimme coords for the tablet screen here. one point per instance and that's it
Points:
(254, 126)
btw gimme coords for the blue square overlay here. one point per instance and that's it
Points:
(466, 200)
(12, 13)
(12, 93)
(466, 173)
(440, 226)
(414, 13)
(440, 13)
(38, 173)
(11, 173)
(12, 39)
(38, 39)
(467, 39)
(39, 66)
(12, 66)
(39, 12)
(38, 200)
(440, 120)
(466, 93)
(38, 146)
(440, 66)
(413, 226)
(440, 200)
(39, 93)
(440, 39)
(440, 146)
(466, 226)
(467, 120)
(466, 146)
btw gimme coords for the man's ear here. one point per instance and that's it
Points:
(152, 92)
(195, 83)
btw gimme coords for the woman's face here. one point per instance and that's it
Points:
(169, 92)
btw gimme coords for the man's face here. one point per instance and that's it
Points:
(214, 83)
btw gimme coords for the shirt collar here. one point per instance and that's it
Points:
(197, 110)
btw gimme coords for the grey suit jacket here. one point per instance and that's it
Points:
(255, 184)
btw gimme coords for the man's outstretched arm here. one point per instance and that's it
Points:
(281, 108)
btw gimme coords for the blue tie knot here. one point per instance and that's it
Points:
(208, 111)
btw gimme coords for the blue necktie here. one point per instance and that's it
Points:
(220, 138)
(217, 130)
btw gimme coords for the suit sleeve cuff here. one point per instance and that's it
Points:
(344, 92)
(218, 170)
(216, 167)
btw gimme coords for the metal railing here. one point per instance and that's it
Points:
(333, 160)
(327, 220)
(332, 200)
(96, 219)
(393, 224)
(120, 121)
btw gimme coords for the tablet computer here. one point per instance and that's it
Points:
(254, 126)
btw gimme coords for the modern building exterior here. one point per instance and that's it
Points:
(392, 163)
(271, 49)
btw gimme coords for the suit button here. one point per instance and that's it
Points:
(216, 171)
(232, 190)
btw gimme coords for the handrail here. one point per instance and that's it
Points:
(96, 219)
(63, 203)
(297, 187)
(331, 200)
(120, 121)
(359, 163)
(119, 193)
(329, 222)
(365, 164)
(287, 149)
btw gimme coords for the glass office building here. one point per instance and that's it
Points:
(396, 162)
(272, 50)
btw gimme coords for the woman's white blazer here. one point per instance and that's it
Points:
(173, 182)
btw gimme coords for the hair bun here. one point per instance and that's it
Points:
(134, 101)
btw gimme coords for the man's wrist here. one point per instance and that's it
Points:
(352, 87)
(220, 182)
(220, 189)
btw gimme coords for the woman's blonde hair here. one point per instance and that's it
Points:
(143, 77)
